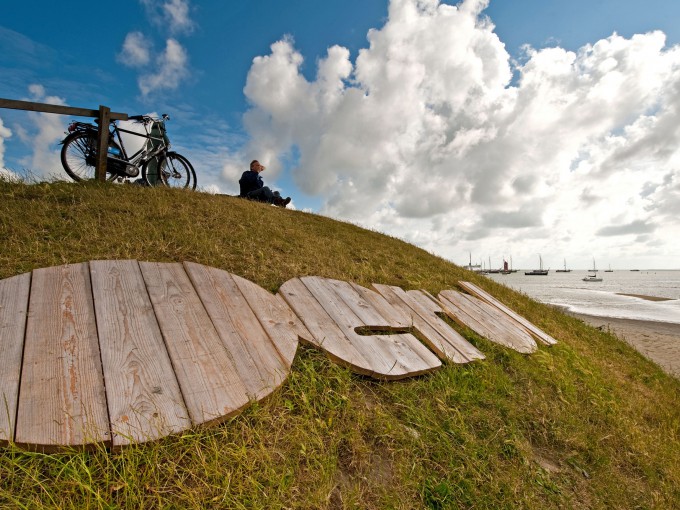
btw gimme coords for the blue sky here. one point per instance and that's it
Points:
(507, 129)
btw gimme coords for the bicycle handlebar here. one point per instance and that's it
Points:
(140, 118)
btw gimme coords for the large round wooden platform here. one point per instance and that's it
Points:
(116, 352)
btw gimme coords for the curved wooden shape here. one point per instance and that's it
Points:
(332, 311)
(116, 352)
(486, 320)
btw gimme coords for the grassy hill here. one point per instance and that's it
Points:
(588, 423)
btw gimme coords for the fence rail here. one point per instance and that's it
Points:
(104, 114)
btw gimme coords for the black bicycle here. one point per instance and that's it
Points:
(154, 161)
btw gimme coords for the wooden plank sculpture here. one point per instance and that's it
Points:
(120, 352)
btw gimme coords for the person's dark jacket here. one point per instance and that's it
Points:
(250, 181)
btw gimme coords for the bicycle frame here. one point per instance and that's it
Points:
(147, 150)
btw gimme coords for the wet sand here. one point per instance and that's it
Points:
(658, 341)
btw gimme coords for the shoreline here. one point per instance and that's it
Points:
(657, 341)
(646, 298)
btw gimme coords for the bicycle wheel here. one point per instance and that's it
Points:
(150, 171)
(171, 170)
(79, 156)
(192, 176)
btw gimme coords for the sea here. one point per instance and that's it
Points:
(606, 298)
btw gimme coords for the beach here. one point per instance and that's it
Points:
(658, 341)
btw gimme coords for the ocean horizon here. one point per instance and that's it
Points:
(649, 294)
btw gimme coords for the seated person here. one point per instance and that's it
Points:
(253, 187)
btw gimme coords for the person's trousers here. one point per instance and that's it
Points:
(264, 194)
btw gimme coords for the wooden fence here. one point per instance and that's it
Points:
(104, 114)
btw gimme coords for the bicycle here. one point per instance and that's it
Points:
(153, 160)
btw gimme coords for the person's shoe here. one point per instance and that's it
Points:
(285, 202)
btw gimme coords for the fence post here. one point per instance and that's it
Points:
(102, 142)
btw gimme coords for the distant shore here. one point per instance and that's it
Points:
(658, 341)
(646, 298)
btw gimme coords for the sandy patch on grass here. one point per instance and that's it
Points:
(658, 341)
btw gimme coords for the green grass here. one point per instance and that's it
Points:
(588, 423)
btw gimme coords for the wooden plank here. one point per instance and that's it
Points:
(390, 356)
(446, 342)
(102, 142)
(144, 398)
(326, 335)
(495, 319)
(428, 302)
(62, 401)
(278, 320)
(30, 106)
(394, 315)
(485, 296)
(473, 316)
(412, 353)
(209, 381)
(347, 322)
(421, 311)
(13, 309)
(487, 321)
(257, 361)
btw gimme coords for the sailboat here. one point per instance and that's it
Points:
(565, 270)
(506, 269)
(592, 277)
(610, 270)
(473, 267)
(493, 271)
(538, 272)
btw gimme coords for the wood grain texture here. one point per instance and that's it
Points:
(386, 356)
(209, 381)
(326, 334)
(487, 321)
(62, 399)
(393, 314)
(257, 361)
(13, 310)
(416, 358)
(144, 398)
(445, 341)
(276, 317)
(535, 331)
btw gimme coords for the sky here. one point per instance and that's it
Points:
(485, 129)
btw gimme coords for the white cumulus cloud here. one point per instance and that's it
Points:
(174, 15)
(171, 69)
(42, 134)
(425, 135)
(136, 50)
(4, 133)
